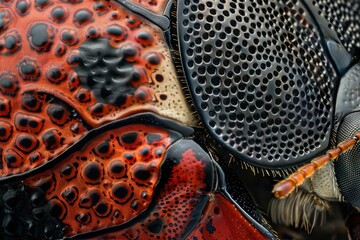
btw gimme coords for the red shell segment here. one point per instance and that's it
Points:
(177, 200)
(108, 182)
(40, 131)
(44, 51)
(180, 203)
(53, 79)
(223, 221)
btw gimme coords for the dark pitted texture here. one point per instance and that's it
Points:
(25, 214)
(259, 77)
(347, 167)
(343, 16)
(347, 99)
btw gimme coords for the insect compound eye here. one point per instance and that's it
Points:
(254, 80)
(347, 167)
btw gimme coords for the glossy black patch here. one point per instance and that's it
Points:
(153, 137)
(92, 171)
(155, 226)
(30, 103)
(20, 220)
(59, 14)
(22, 7)
(82, 17)
(209, 227)
(120, 191)
(42, 4)
(103, 147)
(29, 70)
(39, 37)
(111, 86)
(51, 139)
(90, 199)
(142, 174)
(117, 168)
(129, 138)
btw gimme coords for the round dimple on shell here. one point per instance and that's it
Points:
(70, 194)
(69, 36)
(121, 192)
(116, 169)
(55, 74)
(41, 36)
(92, 173)
(12, 158)
(60, 50)
(57, 209)
(58, 114)
(142, 173)
(82, 17)
(26, 142)
(28, 69)
(116, 32)
(102, 209)
(10, 43)
(6, 130)
(30, 102)
(104, 149)
(5, 19)
(52, 139)
(41, 5)
(23, 7)
(59, 14)
(9, 84)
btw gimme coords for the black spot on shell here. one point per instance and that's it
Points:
(82, 17)
(40, 36)
(112, 86)
(155, 226)
(129, 138)
(120, 191)
(142, 174)
(92, 171)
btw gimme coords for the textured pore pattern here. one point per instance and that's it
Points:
(67, 67)
(348, 96)
(343, 16)
(108, 182)
(259, 77)
(347, 167)
(25, 214)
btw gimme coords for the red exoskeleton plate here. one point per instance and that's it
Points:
(92, 128)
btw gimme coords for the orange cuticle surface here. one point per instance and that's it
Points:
(223, 221)
(70, 66)
(106, 183)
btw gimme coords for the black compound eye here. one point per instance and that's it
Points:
(262, 87)
(347, 167)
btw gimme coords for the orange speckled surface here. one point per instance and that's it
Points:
(64, 65)
(223, 221)
(108, 182)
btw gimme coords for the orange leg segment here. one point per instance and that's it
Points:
(283, 188)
